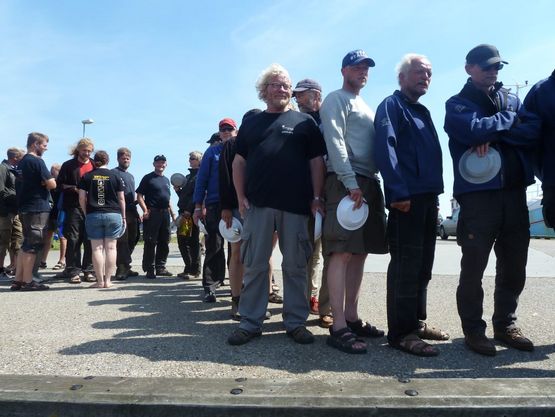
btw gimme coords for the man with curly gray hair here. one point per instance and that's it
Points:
(278, 176)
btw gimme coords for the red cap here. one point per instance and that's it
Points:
(228, 121)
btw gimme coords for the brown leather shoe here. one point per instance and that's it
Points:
(514, 338)
(479, 343)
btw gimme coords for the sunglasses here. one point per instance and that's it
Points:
(227, 129)
(496, 67)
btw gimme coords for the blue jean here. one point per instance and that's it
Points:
(102, 225)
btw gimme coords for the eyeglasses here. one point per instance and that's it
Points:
(278, 86)
(193, 158)
(227, 129)
(496, 67)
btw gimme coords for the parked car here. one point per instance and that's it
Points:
(439, 221)
(448, 227)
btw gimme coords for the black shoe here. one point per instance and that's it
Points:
(301, 335)
(150, 275)
(241, 336)
(131, 273)
(209, 297)
(120, 277)
(479, 343)
(163, 272)
(514, 338)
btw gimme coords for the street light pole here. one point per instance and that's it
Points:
(86, 122)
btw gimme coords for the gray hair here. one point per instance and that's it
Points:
(404, 65)
(271, 71)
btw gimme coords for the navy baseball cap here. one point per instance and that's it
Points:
(484, 55)
(356, 57)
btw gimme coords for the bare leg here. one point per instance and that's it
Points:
(25, 263)
(353, 281)
(97, 247)
(110, 246)
(337, 272)
(235, 269)
(63, 246)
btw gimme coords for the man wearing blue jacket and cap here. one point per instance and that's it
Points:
(491, 139)
(408, 155)
(541, 101)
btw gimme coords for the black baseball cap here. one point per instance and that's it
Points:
(484, 55)
(159, 158)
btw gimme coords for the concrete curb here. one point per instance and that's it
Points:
(50, 396)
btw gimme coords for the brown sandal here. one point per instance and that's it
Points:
(412, 344)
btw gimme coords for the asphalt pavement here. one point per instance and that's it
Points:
(161, 328)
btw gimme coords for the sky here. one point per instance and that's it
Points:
(157, 76)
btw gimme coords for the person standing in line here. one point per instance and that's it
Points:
(53, 225)
(408, 154)
(207, 209)
(127, 241)
(71, 173)
(34, 208)
(153, 196)
(488, 121)
(10, 225)
(348, 127)
(278, 175)
(101, 197)
(189, 245)
(541, 101)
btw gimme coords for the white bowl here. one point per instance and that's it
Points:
(232, 234)
(351, 219)
(317, 226)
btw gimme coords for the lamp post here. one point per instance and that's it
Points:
(86, 122)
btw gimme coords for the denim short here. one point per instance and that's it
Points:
(102, 225)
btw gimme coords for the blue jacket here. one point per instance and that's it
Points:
(473, 118)
(541, 101)
(207, 189)
(407, 149)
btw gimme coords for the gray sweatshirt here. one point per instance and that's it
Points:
(348, 127)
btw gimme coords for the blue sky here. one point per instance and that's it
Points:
(157, 76)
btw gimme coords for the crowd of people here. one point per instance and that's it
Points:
(270, 179)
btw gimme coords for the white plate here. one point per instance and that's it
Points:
(347, 217)
(178, 179)
(479, 169)
(317, 226)
(233, 234)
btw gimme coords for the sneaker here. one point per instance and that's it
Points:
(479, 343)
(209, 297)
(301, 335)
(241, 336)
(183, 275)
(514, 338)
(314, 305)
(163, 272)
(150, 274)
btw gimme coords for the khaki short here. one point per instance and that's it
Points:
(370, 238)
(11, 233)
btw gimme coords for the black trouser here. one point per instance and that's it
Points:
(412, 241)
(213, 269)
(156, 235)
(189, 246)
(496, 218)
(74, 232)
(126, 243)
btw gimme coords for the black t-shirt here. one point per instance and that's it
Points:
(102, 186)
(33, 197)
(156, 191)
(277, 148)
(128, 188)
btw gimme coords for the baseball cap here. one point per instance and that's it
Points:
(307, 84)
(484, 55)
(214, 138)
(228, 121)
(355, 57)
(159, 158)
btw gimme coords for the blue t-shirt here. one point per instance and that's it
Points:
(33, 197)
(156, 191)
